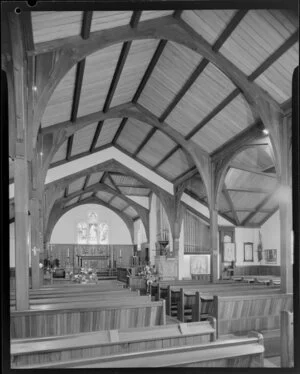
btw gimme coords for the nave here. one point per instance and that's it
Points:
(150, 185)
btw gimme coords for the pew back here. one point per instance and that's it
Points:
(243, 313)
(72, 319)
(287, 338)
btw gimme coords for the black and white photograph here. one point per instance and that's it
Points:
(151, 178)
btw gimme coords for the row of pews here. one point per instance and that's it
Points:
(105, 325)
(262, 279)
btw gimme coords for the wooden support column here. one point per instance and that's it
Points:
(22, 233)
(285, 210)
(36, 242)
(21, 177)
(213, 226)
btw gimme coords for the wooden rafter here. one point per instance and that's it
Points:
(85, 32)
(244, 137)
(159, 50)
(259, 206)
(204, 62)
(113, 183)
(249, 190)
(117, 75)
(86, 182)
(145, 141)
(251, 170)
(168, 155)
(230, 203)
(186, 175)
(263, 67)
(120, 128)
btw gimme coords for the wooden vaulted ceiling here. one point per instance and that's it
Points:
(179, 88)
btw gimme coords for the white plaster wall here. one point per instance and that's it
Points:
(64, 231)
(270, 232)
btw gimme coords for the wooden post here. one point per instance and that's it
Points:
(19, 124)
(22, 234)
(168, 301)
(216, 313)
(180, 314)
(163, 312)
(197, 308)
(285, 211)
(286, 339)
(158, 292)
(214, 245)
(36, 243)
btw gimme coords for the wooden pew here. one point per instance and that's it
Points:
(238, 352)
(72, 318)
(56, 351)
(79, 298)
(243, 313)
(287, 339)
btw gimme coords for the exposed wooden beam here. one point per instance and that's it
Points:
(273, 211)
(249, 210)
(96, 136)
(85, 32)
(66, 191)
(263, 67)
(79, 155)
(213, 113)
(251, 170)
(135, 18)
(204, 62)
(248, 135)
(113, 183)
(274, 56)
(168, 155)
(260, 205)
(120, 128)
(86, 24)
(230, 203)
(186, 175)
(86, 182)
(249, 190)
(117, 74)
(111, 199)
(145, 141)
(177, 13)
(132, 186)
(150, 68)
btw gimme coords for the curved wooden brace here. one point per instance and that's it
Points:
(57, 212)
(69, 51)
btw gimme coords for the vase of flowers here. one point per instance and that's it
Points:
(85, 276)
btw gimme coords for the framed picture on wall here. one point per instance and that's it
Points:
(271, 255)
(228, 252)
(248, 252)
(200, 264)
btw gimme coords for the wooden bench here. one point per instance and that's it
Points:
(287, 339)
(242, 313)
(72, 318)
(27, 353)
(236, 352)
(37, 300)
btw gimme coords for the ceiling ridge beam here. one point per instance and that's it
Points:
(204, 62)
(231, 205)
(158, 52)
(260, 205)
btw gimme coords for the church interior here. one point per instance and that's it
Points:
(150, 186)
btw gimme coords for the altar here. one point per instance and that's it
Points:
(96, 262)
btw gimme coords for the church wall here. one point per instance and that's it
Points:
(64, 231)
(270, 232)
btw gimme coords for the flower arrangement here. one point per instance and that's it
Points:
(149, 274)
(84, 276)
